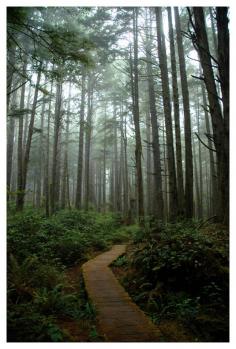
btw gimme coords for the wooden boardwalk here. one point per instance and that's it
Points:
(120, 320)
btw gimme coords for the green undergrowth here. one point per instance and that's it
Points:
(179, 273)
(40, 250)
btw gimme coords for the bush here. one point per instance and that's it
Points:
(181, 273)
(39, 249)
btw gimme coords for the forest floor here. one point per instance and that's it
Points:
(177, 274)
(83, 330)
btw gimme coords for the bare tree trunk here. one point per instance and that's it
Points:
(154, 141)
(200, 215)
(187, 122)
(104, 163)
(78, 201)
(148, 164)
(138, 142)
(88, 141)
(10, 71)
(29, 138)
(27, 118)
(166, 187)
(19, 204)
(47, 172)
(197, 200)
(55, 157)
(173, 203)
(213, 30)
(10, 145)
(126, 178)
(213, 175)
(65, 179)
(180, 180)
(41, 159)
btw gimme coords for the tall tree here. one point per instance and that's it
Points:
(178, 146)
(173, 203)
(220, 124)
(187, 121)
(20, 147)
(10, 143)
(136, 117)
(29, 138)
(88, 140)
(155, 132)
(65, 194)
(55, 156)
(78, 201)
(47, 163)
(213, 175)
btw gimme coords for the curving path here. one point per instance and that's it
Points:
(120, 320)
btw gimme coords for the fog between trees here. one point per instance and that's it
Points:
(119, 109)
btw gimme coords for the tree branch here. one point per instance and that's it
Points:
(204, 143)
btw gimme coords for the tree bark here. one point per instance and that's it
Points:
(57, 125)
(187, 122)
(29, 138)
(47, 170)
(41, 159)
(78, 201)
(219, 124)
(155, 136)
(65, 175)
(178, 146)
(213, 175)
(10, 145)
(19, 204)
(88, 142)
(173, 203)
(138, 142)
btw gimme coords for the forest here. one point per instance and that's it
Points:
(117, 174)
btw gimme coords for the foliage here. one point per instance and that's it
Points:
(120, 261)
(66, 237)
(39, 250)
(181, 273)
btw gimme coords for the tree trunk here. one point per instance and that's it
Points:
(55, 157)
(27, 118)
(88, 142)
(29, 138)
(173, 203)
(213, 30)
(65, 176)
(155, 136)
(138, 142)
(126, 175)
(104, 163)
(200, 215)
(41, 159)
(47, 171)
(213, 175)
(19, 204)
(148, 164)
(219, 125)
(10, 71)
(10, 145)
(187, 122)
(78, 201)
(180, 180)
